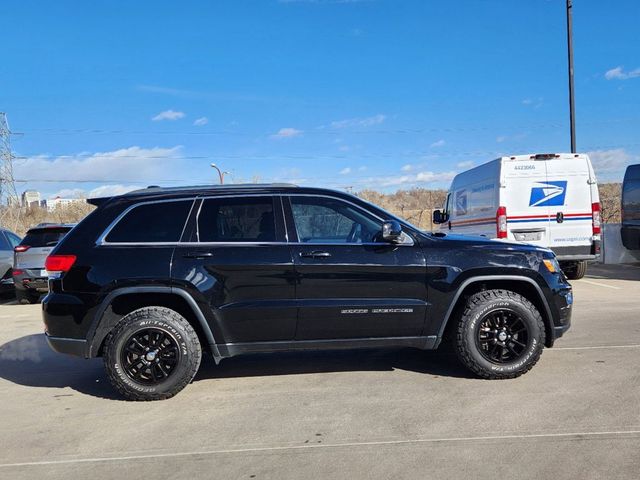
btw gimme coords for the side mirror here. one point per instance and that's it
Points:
(391, 231)
(440, 217)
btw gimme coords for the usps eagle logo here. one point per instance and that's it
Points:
(548, 194)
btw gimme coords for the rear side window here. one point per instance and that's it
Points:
(249, 219)
(152, 222)
(44, 237)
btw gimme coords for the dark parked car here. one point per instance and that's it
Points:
(29, 274)
(151, 279)
(630, 210)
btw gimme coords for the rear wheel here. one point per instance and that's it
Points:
(574, 270)
(26, 298)
(500, 334)
(152, 354)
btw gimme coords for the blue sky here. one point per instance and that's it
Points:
(381, 94)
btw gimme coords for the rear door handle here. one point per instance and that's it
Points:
(315, 254)
(198, 255)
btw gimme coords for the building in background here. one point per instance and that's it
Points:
(58, 202)
(30, 198)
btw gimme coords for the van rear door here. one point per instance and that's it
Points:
(571, 218)
(524, 180)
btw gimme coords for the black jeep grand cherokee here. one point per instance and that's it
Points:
(152, 278)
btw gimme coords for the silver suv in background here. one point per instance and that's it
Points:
(29, 274)
(8, 240)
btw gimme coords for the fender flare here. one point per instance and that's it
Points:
(487, 278)
(103, 322)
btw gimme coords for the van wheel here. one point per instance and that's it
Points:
(152, 354)
(574, 270)
(500, 334)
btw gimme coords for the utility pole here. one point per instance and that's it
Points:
(221, 174)
(572, 107)
(7, 184)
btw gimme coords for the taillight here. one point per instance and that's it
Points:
(21, 248)
(59, 263)
(501, 222)
(16, 272)
(596, 219)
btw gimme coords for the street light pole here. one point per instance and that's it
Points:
(221, 174)
(572, 110)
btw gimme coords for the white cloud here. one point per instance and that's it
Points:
(610, 162)
(527, 101)
(287, 133)
(101, 191)
(359, 122)
(466, 164)
(420, 178)
(501, 138)
(345, 171)
(618, 73)
(168, 115)
(344, 148)
(362, 168)
(199, 122)
(407, 168)
(126, 165)
(439, 143)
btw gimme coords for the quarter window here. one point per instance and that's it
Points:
(327, 220)
(160, 222)
(249, 219)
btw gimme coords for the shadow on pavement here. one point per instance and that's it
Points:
(295, 363)
(29, 361)
(630, 271)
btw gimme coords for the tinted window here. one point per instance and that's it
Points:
(44, 237)
(13, 239)
(631, 195)
(153, 222)
(4, 243)
(237, 220)
(325, 220)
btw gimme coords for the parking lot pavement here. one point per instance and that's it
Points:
(365, 414)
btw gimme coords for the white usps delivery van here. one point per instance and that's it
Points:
(549, 200)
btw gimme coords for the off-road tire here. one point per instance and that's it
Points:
(165, 320)
(477, 308)
(574, 270)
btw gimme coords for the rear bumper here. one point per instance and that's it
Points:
(580, 252)
(69, 346)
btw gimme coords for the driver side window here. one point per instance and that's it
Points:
(327, 220)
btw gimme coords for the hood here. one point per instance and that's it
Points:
(484, 242)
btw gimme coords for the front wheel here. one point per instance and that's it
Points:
(152, 354)
(500, 334)
(574, 270)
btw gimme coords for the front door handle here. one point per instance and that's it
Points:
(315, 254)
(198, 255)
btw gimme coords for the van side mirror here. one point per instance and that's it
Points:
(391, 231)
(440, 217)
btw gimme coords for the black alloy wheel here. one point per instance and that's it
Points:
(503, 336)
(150, 356)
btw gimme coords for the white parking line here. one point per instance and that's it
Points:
(598, 284)
(576, 435)
(595, 347)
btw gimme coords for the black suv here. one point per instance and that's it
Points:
(152, 278)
